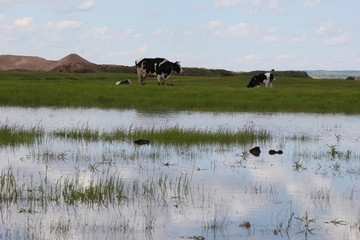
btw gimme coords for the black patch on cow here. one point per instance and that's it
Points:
(149, 64)
(256, 80)
(177, 68)
(164, 68)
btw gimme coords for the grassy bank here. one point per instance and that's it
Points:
(228, 94)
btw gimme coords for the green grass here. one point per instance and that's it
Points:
(173, 135)
(215, 94)
(12, 135)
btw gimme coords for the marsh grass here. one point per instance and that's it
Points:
(106, 191)
(175, 135)
(219, 220)
(13, 135)
(83, 133)
(102, 192)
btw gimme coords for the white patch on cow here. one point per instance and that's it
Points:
(165, 60)
(267, 81)
(138, 60)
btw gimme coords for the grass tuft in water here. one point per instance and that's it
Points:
(13, 135)
(176, 135)
(102, 192)
(173, 135)
(84, 133)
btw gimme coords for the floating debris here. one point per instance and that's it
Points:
(272, 152)
(141, 141)
(255, 151)
(245, 224)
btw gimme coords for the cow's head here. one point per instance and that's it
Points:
(177, 68)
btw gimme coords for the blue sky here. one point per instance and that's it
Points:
(238, 35)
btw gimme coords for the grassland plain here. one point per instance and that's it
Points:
(216, 94)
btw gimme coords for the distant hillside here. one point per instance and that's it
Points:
(299, 74)
(24, 63)
(204, 72)
(71, 63)
(333, 74)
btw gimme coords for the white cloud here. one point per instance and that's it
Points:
(333, 33)
(86, 5)
(301, 38)
(136, 52)
(337, 40)
(249, 5)
(101, 33)
(284, 57)
(311, 3)
(326, 28)
(252, 57)
(23, 21)
(271, 38)
(69, 24)
(227, 3)
(162, 31)
(213, 25)
(238, 31)
(130, 33)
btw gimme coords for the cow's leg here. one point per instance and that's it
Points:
(141, 76)
(142, 81)
(164, 77)
(139, 73)
(267, 83)
(159, 79)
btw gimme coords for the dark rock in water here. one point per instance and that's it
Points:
(141, 141)
(272, 152)
(255, 151)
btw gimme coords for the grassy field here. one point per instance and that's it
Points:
(215, 94)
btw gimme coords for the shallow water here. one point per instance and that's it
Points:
(211, 189)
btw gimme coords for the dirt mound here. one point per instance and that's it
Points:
(26, 63)
(71, 63)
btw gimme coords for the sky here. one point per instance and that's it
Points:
(237, 35)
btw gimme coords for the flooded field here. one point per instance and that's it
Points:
(79, 188)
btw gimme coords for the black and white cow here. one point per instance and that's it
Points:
(160, 67)
(262, 78)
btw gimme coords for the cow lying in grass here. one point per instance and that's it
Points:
(161, 67)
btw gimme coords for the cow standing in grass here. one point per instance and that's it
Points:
(160, 67)
(262, 78)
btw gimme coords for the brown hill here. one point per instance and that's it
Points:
(23, 63)
(76, 64)
(71, 63)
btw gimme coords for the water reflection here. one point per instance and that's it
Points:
(183, 192)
